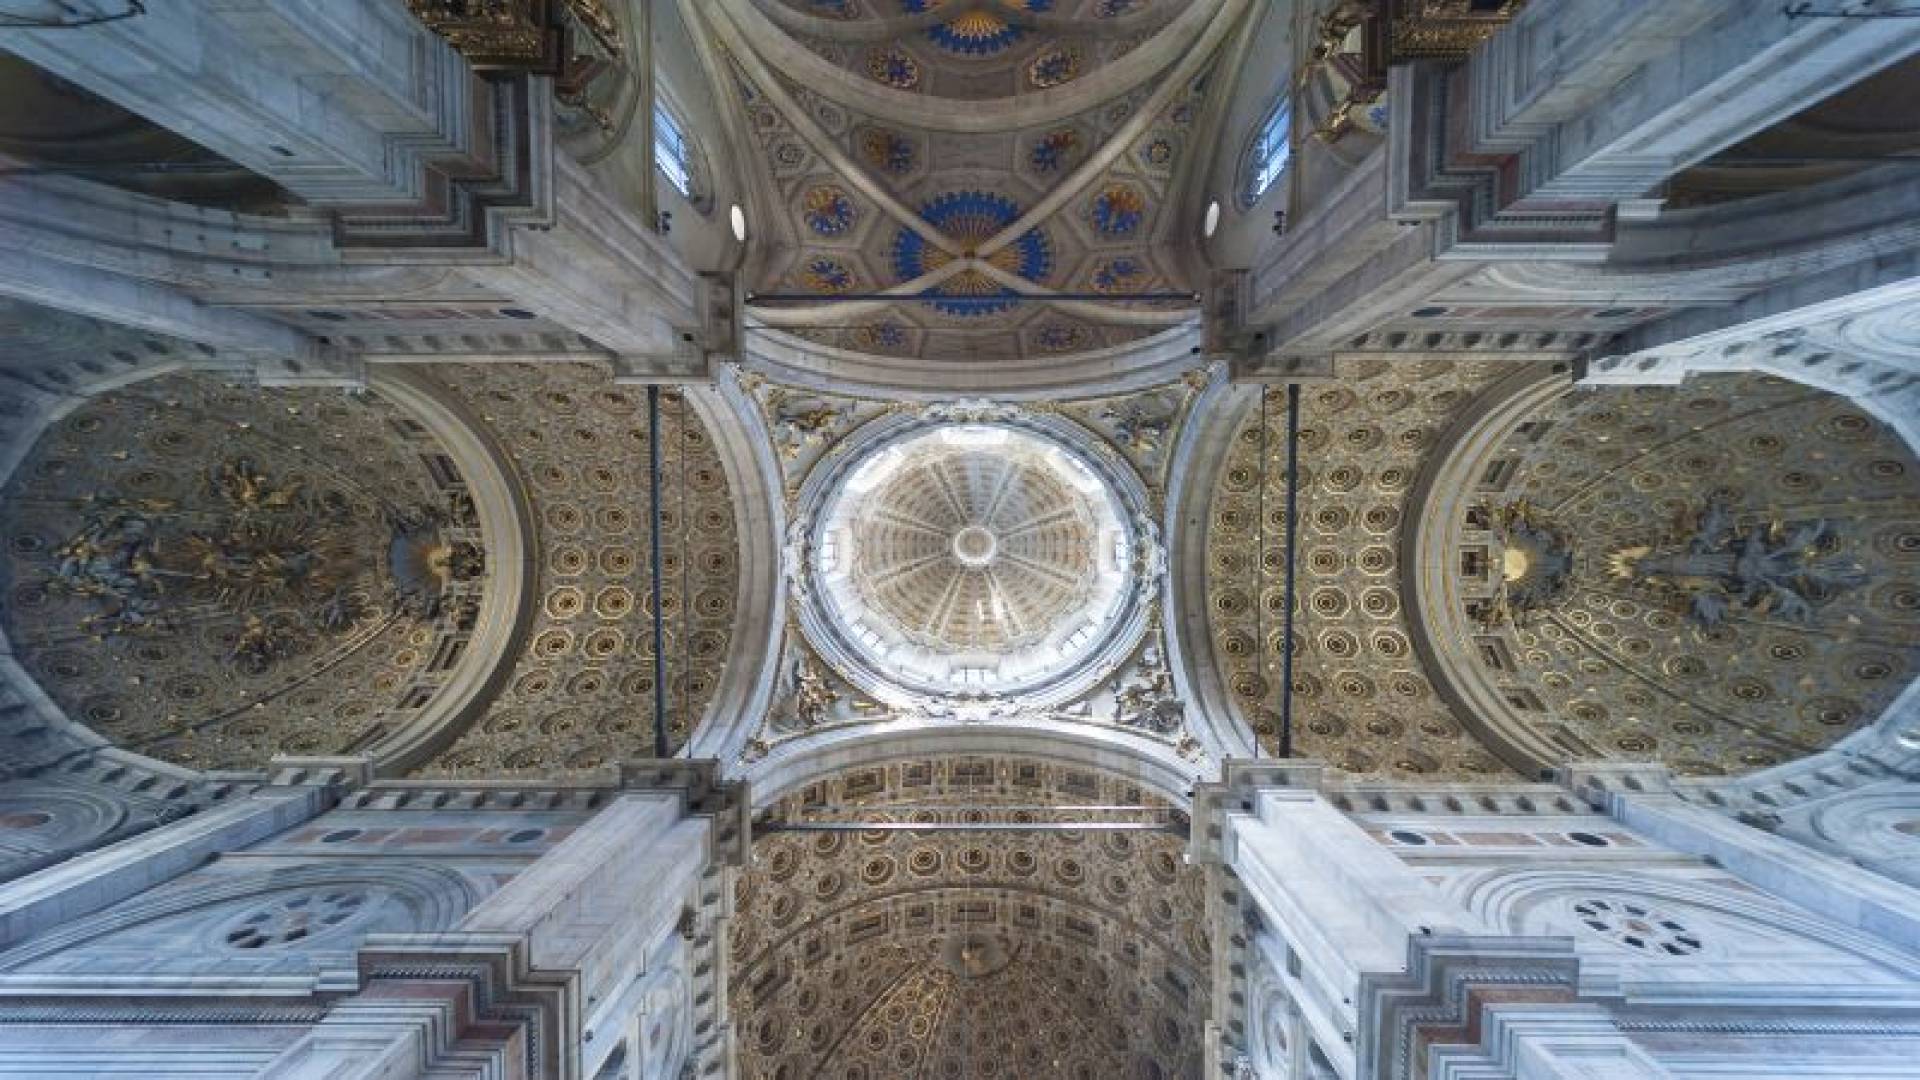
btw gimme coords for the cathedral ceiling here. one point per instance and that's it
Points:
(1065, 498)
(211, 574)
(1009, 953)
(580, 693)
(1718, 576)
(1363, 701)
(1722, 576)
(903, 226)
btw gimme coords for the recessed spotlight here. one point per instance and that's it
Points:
(1212, 224)
(739, 219)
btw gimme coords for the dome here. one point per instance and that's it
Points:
(976, 559)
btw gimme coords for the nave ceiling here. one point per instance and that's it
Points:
(461, 622)
(898, 224)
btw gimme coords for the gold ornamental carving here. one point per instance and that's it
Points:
(1445, 29)
(522, 35)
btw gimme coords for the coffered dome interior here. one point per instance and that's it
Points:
(973, 557)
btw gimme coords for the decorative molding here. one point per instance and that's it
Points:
(1442, 998)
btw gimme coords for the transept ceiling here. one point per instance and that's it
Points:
(897, 223)
(1363, 699)
(211, 574)
(580, 694)
(1720, 576)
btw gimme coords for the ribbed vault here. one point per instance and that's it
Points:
(969, 182)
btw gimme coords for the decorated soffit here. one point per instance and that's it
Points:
(818, 437)
(212, 574)
(1016, 243)
(581, 693)
(887, 953)
(1362, 699)
(1719, 576)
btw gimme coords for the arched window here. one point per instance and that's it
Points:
(671, 152)
(1269, 152)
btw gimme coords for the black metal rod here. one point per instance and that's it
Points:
(659, 617)
(1286, 633)
(1773, 161)
(968, 298)
(125, 168)
(968, 331)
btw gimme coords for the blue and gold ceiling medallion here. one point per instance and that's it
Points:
(976, 33)
(888, 151)
(1124, 274)
(829, 211)
(880, 337)
(1051, 151)
(970, 219)
(1117, 210)
(894, 67)
(1061, 337)
(1159, 152)
(827, 275)
(1054, 66)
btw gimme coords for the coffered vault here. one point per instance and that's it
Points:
(787, 539)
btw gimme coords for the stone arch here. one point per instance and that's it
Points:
(1204, 444)
(745, 448)
(41, 818)
(1880, 829)
(794, 765)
